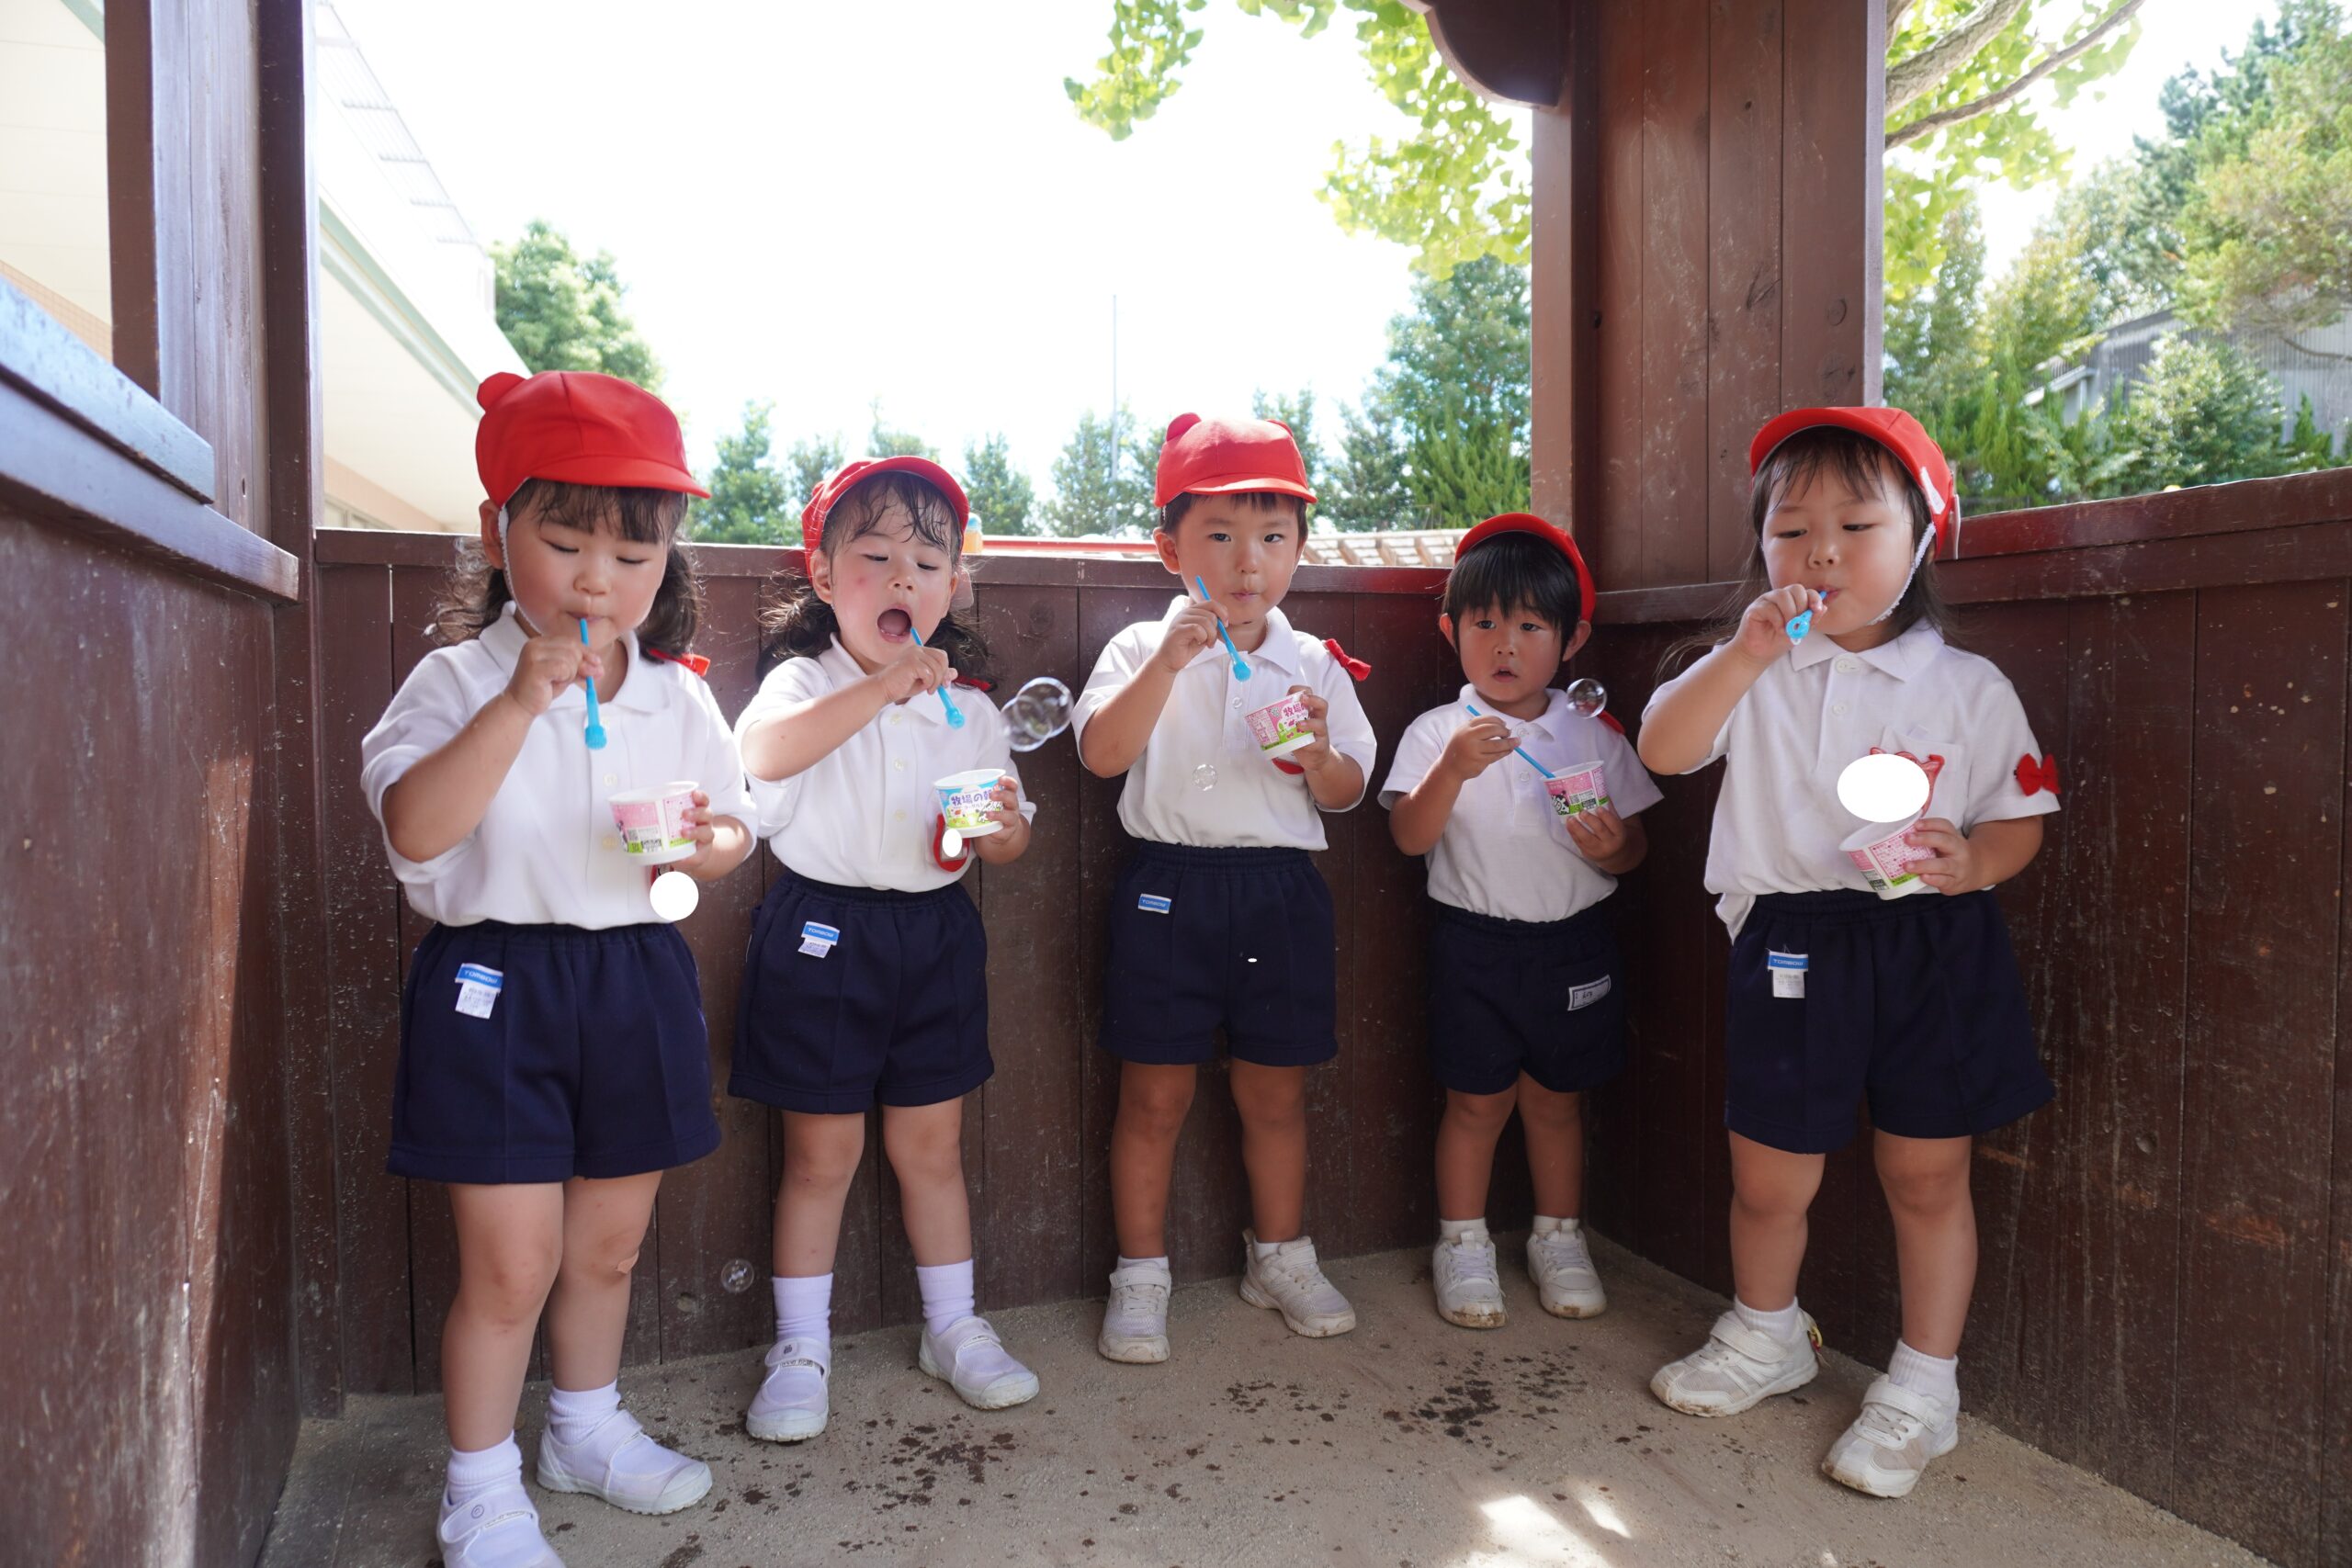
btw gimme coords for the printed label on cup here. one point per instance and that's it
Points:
(652, 822)
(966, 800)
(1885, 854)
(1280, 727)
(1577, 790)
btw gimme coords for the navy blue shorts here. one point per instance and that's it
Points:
(1545, 998)
(855, 995)
(1204, 938)
(1914, 1002)
(541, 1053)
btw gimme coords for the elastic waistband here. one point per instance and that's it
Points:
(1220, 857)
(561, 935)
(1848, 906)
(868, 895)
(1504, 929)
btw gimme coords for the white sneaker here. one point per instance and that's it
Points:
(1565, 1281)
(793, 1402)
(973, 1360)
(1135, 1320)
(1292, 1283)
(1469, 1293)
(1887, 1449)
(1737, 1368)
(618, 1462)
(497, 1529)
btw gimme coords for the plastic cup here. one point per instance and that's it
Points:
(1886, 854)
(966, 800)
(1280, 727)
(652, 822)
(1576, 790)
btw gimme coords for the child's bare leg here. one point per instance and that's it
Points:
(820, 1156)
(1770, 1191)
(1934, 1236)
(603, 1225)
(1153, 1099)
(1553, 1124)
(509, 1242)
(925, 1146)
(1272, 1103)
(1466, 1150)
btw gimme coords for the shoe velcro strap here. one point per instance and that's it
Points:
(1926, 1411)
(1756, 1346)
(497, 1506)
(816, 1353)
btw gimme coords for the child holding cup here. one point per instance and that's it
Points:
(552, 1056)
(878, 779)
(1527, 1009)
(1840, 988)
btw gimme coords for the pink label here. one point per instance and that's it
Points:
(1279, 723)
(1891, 859)
(650, 826)
(1575, 791)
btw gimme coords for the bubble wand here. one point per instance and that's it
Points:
(954, 713)
(1521, 750)
(1240, 666)
(595, 720)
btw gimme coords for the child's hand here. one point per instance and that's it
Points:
(1956, 868)
(1476, 746)
(548, 664)
(698, 824)
(1598, 834)
(1193, 629)
(1763, 635)
(916, 671)
(1005, 803)
(1316, 754)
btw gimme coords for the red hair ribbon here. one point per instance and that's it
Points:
(1354, 667)
(2033, 777)
(694, 661)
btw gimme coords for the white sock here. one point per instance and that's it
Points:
(946, 1293)
(1546, 1223)
(572, 1413)
(1265, 1249)
(1938, 1377)
(1160, 1263)
(1785, 1325)
(1455, 1230)
(475, 1472)
(804, 1306)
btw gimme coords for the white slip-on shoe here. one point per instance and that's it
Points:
(1737, 1369)
(499, 1528)
(794, 1398)
(620, 1464)
(1565, 1281)
(974, 1363)
(1462, 1272)
(1887, 1449)
(1135, 1320)
(1290, 1280)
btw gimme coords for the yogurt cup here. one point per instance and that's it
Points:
(966, 800)
(652, 822)
(1886, 854)
(1280, 727)
(1576, 790)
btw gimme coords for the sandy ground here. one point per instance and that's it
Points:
(1407, 1444)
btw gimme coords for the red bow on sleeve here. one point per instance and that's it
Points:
(939, 844)
(2034, 776)
(1611, 720)
(694, 661)
(1354, 667)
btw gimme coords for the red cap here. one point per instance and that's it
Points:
(845, 478)
(1923, 462)
(576, 427)
(1223, 457)
(1528, 523)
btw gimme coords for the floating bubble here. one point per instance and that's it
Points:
(1883, 788)
(675, 895)
(1038, 712)
(1588, 697)
(1205, 776)
(736, 1275)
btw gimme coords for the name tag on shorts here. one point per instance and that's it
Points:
(817, 939)
(1153, 903)
(1788, 974)
(1585, 996)
(478, 989)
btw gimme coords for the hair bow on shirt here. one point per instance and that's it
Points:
(2035, 776)
(1354, 667)
(694, 661)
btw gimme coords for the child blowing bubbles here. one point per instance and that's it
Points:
(552, 1055)
(1835, 993)
(865, 979)
(1526, 1001)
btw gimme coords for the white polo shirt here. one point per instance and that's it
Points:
(545, 852)
(1505, 852)
(1200, 779)
(1779, 825)
(863, 816)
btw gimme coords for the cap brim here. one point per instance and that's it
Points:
(637, 473)
(1248, 482)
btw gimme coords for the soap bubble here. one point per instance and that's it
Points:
(1205, 776)
(675, 895)
(1038, 712)
(1885, 787)
(1588, 697)
(736, 1275)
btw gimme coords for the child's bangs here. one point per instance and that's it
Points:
(1866, 469)
(639, 515)
(1514, 571)
(895, 499)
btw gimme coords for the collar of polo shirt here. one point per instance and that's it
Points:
(1280, 648)
(504, 640)
(1901, 657)
(843, 666)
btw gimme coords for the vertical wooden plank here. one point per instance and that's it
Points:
(1616, 530)
(1673, 451)
(1563, 294)
(1743, 263)
(2262, 988)
(1832, 110)
(2336, 1434)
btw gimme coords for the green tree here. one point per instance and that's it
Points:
(1001, 496)
(1091, 495)
(811, 463)
(750, 502)
(563, 312)
(1931, 335)
(2203, 414)
(1367, 489)
(884, 442)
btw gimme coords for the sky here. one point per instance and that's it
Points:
(825, 204)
